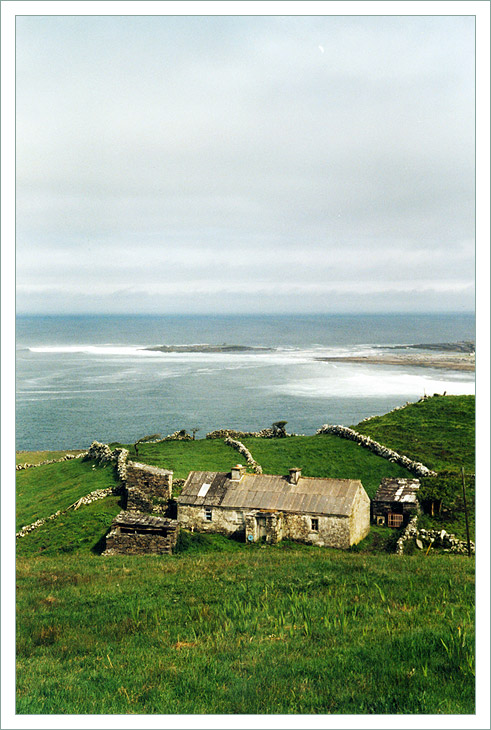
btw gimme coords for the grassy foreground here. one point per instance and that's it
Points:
(286, 629)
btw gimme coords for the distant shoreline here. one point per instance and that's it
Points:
(443, 361)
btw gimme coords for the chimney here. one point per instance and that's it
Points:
(295, 475)
(237, 472)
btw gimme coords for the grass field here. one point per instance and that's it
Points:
(287, 629)
(36, 457)
(439, 431)
(185, 456)
(45, 489)
(323, 456)
(224, 627)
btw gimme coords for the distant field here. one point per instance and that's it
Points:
(439, 431)
(285, 629)
(323, 456)
(185, 456)
(36, 457)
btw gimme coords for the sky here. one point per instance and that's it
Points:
(245, 164)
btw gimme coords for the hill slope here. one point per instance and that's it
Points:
(438, 431)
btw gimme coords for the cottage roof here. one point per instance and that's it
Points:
(397, 490)
(270, 492)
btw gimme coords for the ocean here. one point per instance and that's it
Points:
(86, 378)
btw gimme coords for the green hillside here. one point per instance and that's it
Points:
(43, 490)
(323, 456)
(80, 531)
(223, 627)
(438, 431)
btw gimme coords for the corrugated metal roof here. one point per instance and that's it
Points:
(397, 490)
(271, 492)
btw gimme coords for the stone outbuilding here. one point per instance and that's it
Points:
(395, 502)
(146, 486)
(134, 533)
(266, 507)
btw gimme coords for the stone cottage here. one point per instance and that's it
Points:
(395, 502)
(266, 507)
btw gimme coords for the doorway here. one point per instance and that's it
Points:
(261, 528)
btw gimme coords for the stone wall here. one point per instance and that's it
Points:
(67, 457)
(224, 521)
(425, 539)
(266, 433)
(333, 531)
(238, 446)
(153, 482)
(103, 454)
(415, 467)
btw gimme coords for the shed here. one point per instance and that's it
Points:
(395, 501)
(135, 533)
(268, 507)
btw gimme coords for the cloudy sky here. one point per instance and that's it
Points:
(245, 164)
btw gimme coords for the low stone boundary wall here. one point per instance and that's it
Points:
(442, 539)
(415, 467)
(432, 538)
(102, 453)
(67, 457)
(87, 499)
(410, 532)
(266, 433)
(238, 446)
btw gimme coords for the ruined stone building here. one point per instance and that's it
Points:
(141, 528)
(147, 486)
(255, 507)
(135, 533)
(395, 501)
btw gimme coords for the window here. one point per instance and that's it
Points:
(315, 524)
(380, 520)
(208, 515)
(394, 520)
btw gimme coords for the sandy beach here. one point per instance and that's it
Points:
(446, 361)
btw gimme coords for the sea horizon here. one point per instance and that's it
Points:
(89, 377)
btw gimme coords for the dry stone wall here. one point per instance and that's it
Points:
(87, 499)
(415, 467)
(432, 538)
(238, 446)
(67, 457)
(266, 433)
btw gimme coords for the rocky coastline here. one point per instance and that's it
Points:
(207, 348)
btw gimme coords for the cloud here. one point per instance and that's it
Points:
(192, 149)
